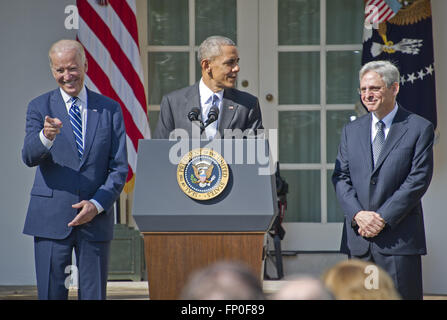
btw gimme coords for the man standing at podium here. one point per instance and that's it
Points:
(213, 101)
(77, 140)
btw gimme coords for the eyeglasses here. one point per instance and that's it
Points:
(370, 89)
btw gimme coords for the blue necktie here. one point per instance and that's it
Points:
(76, 123)
(378, 141)
(215, 101)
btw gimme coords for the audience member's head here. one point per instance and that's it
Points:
(223, 281)
(302, 288)
(359, 280)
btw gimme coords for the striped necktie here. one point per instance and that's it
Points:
(378, 141)
(76, 123)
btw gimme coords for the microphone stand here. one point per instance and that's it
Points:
(193, 115)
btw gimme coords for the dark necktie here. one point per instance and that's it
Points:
(76, 123)
(378, 141)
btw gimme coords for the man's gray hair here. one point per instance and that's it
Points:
(67, 45)
(386, 69)
(211, 47)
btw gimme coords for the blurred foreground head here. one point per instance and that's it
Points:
(302, 288)
(223, 281)
(359, 280)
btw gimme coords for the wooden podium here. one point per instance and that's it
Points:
(172, 256)
(182, 235)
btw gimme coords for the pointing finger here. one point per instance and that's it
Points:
(55, 122)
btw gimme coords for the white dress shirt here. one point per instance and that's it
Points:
(206, 100)
(82, 104)
(387, 120)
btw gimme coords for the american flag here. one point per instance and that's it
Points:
(108, 31)
(378, 11)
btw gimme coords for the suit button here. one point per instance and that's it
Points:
(373, 181)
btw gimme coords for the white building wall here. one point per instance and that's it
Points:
(434, 264)
(28, 28)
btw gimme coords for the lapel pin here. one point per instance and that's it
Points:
(231, 107)
(95, 110)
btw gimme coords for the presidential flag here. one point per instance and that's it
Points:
(404, 37)
(108, 32)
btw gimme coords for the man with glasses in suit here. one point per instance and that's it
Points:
(383, 168)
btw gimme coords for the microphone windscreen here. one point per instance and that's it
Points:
(213, 114)
(193, 115)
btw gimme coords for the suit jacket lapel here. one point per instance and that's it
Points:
(60, 111)
(92, 123)
(227, 111)
(192, 98)
(365, 139)
(397, 130)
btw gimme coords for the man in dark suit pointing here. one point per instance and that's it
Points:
(383, 168)
(77, 140)
(219, 61)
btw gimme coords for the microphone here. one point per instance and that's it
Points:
(193, 115)
(213, 115)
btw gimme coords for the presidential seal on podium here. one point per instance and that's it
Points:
(202, 174)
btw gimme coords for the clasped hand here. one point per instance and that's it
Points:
(370, 223)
